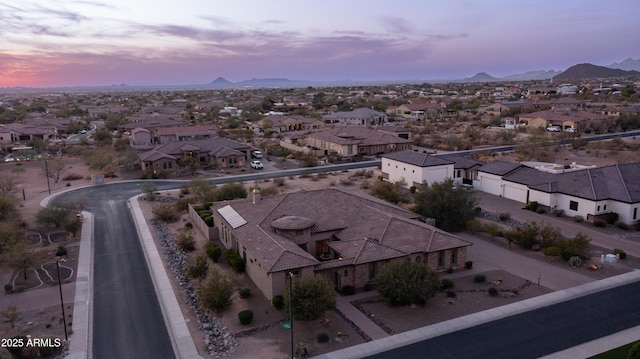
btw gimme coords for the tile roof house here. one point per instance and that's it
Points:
(291, 123)
(362, 116)
(416, 168)
(577, 190)
(352, 140)
(164, 135)
(215, 151)
(344, 237)
(579, 120)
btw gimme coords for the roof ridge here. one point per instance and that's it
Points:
(593, 189)
(624, 183)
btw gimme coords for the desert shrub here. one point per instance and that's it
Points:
(532, 206)
(278, 302)
(446, 284)
(164, 212)
(348, 290)
(493, 230)
(599, 223)
(302, 349)
(185, 241)
(215, 292)
(213, 251)
(578, 218)
(49, 351)
(71, 177)
(387, 191)
(474, 225)
(480, 278)
(235, 261)
(279, 181)
(322, 337)
(182, 205)
(622, 226)
(269, 191)
(451, 294)
(493, 291)
(245, 316)
(244, 292)
(229, 191)
(634, 351)
(552, 252)
(558, 212)
(208, 220)
(577, 246)
(185, 190)
(188, 225)
(449, 270)
(505, 216)
(621, 252)
(525, 236)
(16, 351)
(550, 236)
(61, 251)
(405, 282)
(540, 210)
(611, 217)
(575, 261)
(198, 269)
(468, 264)
(8, 288)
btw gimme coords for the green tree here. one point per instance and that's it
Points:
(452, 206)
(634, 352)
(73, 224)
(8, 207)
(202, 189)
(229, 191)
(149, 189)
(103, 137)
(215, 293)
(404, 282)
(189, 162)
(53, 215)
(311, 298)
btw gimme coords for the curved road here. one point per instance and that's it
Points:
(127, 318)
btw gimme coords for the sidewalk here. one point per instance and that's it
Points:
(343, 304)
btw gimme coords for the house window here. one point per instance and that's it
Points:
(598, 208)
(635, 213)
(372, 270)
(573, 205)
(322, 247)
(605, 207)
(454, 256)
(441, 259)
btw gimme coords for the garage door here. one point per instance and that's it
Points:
(515, 193)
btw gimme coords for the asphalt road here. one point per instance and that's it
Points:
(535, 333)
(127, 318)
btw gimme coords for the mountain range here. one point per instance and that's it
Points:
(628, 67)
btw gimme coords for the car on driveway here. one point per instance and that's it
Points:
(256, 154)
(553, 128)
(256, 165)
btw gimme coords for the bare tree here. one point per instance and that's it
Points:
(53, 169)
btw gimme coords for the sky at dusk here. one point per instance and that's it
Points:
(45, 43)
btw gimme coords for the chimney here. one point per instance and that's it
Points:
(256, 194)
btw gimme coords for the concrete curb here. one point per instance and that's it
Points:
(181, 339)
(471, 320)
(80, 347)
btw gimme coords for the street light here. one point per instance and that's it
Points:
(64, 319)
(291, 309)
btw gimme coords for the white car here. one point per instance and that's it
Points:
(256, 165)
(553, 128)
(256, 154)
(571, 129)
(83, 132)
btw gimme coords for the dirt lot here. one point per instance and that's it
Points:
(269, 338)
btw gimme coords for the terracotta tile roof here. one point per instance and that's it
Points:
(356, 135)
(366, 229)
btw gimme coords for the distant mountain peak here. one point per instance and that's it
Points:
(221, 81)
(586, 71)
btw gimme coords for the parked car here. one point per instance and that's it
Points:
(571, 129)
(553, 129)
(256, 154)
(256, 165)
(83, 132)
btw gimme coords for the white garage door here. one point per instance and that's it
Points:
(515, 193)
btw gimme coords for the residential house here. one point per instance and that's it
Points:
(140, 137)
(576, 190)
(396, 131)
(344, 237)
(579, 120)
(164, 135)
(216, 151)
(350, 140)
(496, 109)
(363, 116)
(416, 168)
(420, 111)
(282, 124)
